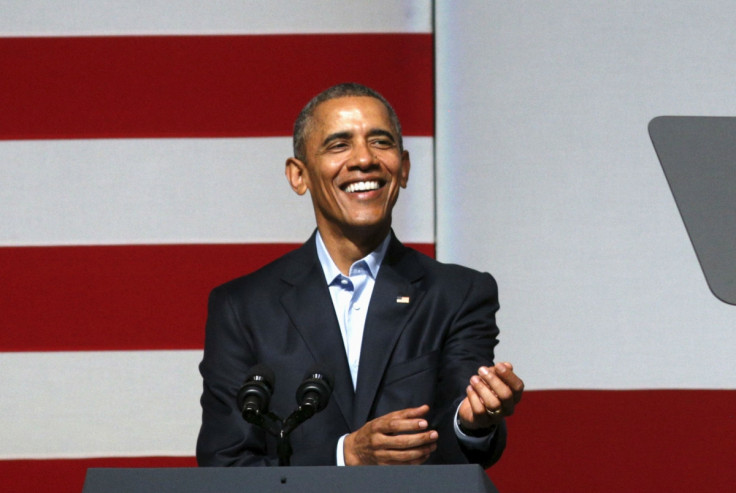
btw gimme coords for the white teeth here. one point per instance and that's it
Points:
(362, 186)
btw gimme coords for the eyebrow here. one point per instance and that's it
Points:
(336, 136)
(347, 135)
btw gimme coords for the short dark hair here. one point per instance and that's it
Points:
(346, 89)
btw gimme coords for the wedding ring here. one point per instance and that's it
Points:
(493, 412)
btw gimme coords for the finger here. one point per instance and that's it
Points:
(411, 412)
(483, 386)
(408, 441)
(382, 445)
(478, 416)
(506, 373)
(402, 421)
(476, 404)
(505, 396)
(503, 392)
(415, 456)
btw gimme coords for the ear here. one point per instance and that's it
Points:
(405, 167)
(296, 173)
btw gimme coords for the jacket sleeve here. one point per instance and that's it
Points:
(470, 343)
(225, 438)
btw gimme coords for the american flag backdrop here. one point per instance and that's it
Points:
(142, 149)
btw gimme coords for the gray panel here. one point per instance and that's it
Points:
(468, 478)
(698, 156)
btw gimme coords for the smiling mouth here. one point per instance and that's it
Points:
(363, 186)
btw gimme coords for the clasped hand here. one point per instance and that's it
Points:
(492, 394)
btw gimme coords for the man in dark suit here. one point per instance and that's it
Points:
(409, 341)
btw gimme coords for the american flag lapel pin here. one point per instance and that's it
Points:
(403, 299)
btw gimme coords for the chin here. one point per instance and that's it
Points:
(375, 226)
(369, 222)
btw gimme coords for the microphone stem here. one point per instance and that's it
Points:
(284, 449)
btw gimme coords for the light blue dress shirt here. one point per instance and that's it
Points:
(351, 296)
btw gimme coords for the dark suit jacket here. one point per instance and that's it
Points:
(420, 352)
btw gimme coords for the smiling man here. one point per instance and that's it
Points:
(353, 166)
(408, 341)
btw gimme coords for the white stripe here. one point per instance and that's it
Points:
(140, 191)
(99, 404)
(111, 17)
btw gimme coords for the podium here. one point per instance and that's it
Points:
(317, 479)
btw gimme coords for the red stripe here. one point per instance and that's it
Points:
(650, 440)
(118, 297)
(201, 86)
(571, 441)
(67, 475)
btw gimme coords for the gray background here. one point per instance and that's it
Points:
(547, 178)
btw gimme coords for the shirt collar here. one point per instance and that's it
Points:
(373, 260)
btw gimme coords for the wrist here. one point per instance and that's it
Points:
(475, 432)
(347, 449)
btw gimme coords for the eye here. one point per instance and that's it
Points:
(337, 146)
(382, 143)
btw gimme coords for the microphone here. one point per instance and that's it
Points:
(312, 396)
(255, 394)
(314, 392)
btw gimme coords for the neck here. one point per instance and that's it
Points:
(346, 249)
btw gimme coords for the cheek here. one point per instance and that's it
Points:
(324, 175)
(317, 182)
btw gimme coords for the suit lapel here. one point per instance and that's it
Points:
(394, 299)
(309, 306)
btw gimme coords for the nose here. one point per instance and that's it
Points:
(363, 156)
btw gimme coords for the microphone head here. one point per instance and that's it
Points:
(315, 390)
(255, 393)
(261, 372)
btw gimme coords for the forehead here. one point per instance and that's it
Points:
(350, 111)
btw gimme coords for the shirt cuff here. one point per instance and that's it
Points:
(340, 453)
(477, 443)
